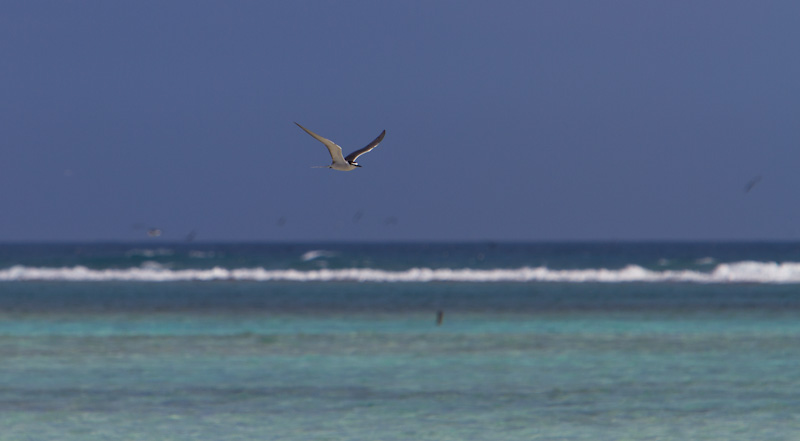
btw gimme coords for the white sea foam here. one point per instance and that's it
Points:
(201, 254)
(740, 272)
(316, 254)
(146, 252)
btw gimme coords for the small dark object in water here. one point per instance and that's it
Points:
(439, 317)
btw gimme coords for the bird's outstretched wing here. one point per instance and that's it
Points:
(352, 156)
(335, 150)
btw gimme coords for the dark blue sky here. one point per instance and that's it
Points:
(546, 120)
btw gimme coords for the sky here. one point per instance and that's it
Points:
(505, 120)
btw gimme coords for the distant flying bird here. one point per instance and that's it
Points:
(752, 183)
(151, 231)
(348, 162)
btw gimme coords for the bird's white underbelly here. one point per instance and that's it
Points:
(343, 167)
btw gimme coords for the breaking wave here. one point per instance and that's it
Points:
(739, 272)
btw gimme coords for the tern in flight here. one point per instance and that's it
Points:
(343, 163)
(752, 183)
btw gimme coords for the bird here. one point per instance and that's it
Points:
(339, 162)
(752, 183)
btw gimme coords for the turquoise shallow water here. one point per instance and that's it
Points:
(402, 377)
(348, 360)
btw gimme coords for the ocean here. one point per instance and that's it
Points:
(420, 341)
